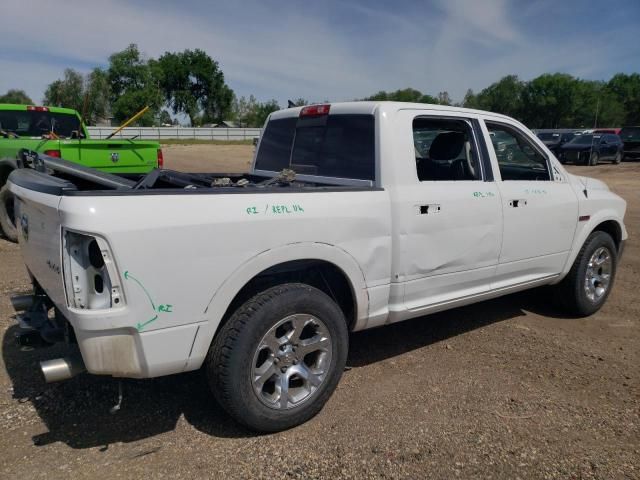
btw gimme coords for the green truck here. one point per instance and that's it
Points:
(60, 132)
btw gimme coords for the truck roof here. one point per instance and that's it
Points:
(23, 108)
(369, 107)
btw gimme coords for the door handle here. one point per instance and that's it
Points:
(517, 203)
(429, 209)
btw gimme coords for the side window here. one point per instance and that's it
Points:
(444, 150)
(518, 158)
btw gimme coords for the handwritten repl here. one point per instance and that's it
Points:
(163, 308)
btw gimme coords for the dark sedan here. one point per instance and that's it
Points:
(590, 149)
(554, 140)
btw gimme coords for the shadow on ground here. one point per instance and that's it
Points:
(76, 412)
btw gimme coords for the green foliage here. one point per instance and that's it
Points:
(248, 112)
(67, 92)
(504, 96)
(164, 118)
(193, 84)
(626, 89)
(134, 85)
(18, 97)
(404, 95)
(89, 94)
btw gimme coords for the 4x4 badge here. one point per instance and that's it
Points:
(115, 157)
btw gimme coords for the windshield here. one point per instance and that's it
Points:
(585, 139)
(545, 137)
(630, 134)
(36, 124)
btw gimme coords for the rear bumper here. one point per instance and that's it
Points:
(118, 351)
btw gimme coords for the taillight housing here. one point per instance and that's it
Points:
(315, 110)
(91, 280)
(32, 108)
(53, 153)
(160, 159)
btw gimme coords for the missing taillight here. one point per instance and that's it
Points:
(91, 279)
(95, 255)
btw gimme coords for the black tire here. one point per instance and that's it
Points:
(571, 293)
(231, 360)
(618, 158)
(594, 159)
(7, 220)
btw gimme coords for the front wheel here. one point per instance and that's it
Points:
(278, 359)
(7, 216)
(618, 158)
(588, 284)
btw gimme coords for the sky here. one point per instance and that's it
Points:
(328, 50)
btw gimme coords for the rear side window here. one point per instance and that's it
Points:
(341, 147)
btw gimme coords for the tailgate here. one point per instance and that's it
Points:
(115, 156)
(37, 197)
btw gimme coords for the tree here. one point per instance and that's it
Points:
(193, 84)
(88, 94)
(626, 89)
(248, 112)
(504, 96)
(164, 118)
(67, 92)
(15, 96)
(133, 85)
(97, 91)
(403, 95)
(469, 100)
(444, 98)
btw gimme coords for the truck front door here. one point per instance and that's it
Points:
(540, 209)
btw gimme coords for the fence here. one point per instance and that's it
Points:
(159, 133)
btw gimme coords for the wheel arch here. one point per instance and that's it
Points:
(318, 264)
(606, 222)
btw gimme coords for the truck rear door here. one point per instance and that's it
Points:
(446, 210)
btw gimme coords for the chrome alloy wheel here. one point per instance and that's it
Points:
(292, 361)
(598, 276)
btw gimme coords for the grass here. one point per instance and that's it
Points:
(195, 141)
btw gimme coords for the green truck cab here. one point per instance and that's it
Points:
(60, 132)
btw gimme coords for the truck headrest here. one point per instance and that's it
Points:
(446, 146)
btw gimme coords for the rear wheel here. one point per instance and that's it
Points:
(278, 359)
(7, 215)
(587, 285)
(618, 158)
(594, 159)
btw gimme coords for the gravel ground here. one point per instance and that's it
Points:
(503, 389)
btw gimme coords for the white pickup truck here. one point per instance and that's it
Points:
(354, 215)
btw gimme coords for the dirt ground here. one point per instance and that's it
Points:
(508, 388)
(208, 158)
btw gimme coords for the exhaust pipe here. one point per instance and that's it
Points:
(62, 368)
(21, 303)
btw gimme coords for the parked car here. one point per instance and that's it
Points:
(59, 132)
(592, 148)
(338, 227)
(555, 139)
(631, 138)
